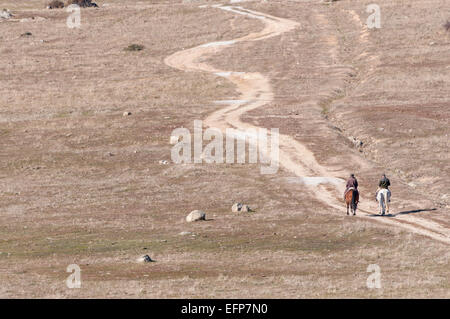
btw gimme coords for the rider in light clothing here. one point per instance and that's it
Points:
(384, 185)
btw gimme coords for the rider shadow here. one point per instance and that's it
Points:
(378, 215)
(404, 212)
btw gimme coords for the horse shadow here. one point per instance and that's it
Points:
(406, 212)
(415, 211)
(378, 215)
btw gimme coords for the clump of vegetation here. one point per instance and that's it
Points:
(82, 3)
(55, 5)
(447, 26)
(134, 47)
(26, 34)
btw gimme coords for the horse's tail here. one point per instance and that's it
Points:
(354, 193)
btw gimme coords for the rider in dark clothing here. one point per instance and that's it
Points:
(384, 182)
(351, 182)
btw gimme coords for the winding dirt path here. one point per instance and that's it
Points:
(256, 91)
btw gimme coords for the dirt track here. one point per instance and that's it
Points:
(83, 184)
(295, 157)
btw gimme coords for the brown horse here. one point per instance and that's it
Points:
(352, 199)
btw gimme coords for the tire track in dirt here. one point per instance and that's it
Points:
(256, 91)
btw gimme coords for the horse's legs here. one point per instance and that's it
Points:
(353, 202)
(381, 204)
(386, 200)
(347, 208)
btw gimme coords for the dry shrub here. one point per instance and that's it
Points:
(134, 47)
(55, 4)
(447, 26)
(82, 3)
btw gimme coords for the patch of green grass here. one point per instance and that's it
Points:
(64, 114)
(76, 246)
(87, 113)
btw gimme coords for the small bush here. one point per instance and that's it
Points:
(447, 26)
(134, 47)
(82, 3)
(55, 5)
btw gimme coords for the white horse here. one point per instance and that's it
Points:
(383, 197)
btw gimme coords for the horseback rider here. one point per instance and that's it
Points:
(351, 183)
(384, 183)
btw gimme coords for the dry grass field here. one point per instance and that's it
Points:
(82, 184)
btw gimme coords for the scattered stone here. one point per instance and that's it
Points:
(185, 233)
(238, 207)
(358, 143)
(195, 215)
(26, 34)
(5, 14)
(163, 162)
(33, 19)
(145, 259)
(126, 113)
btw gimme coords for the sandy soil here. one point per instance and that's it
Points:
(83, 184)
